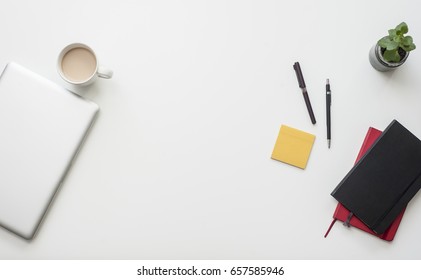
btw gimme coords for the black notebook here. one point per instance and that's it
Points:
(382, 183)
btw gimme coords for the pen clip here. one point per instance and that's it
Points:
(328, 93)
(299, 74)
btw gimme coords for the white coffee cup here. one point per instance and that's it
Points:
(78, 65)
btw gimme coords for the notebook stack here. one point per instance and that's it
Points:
(387, 175)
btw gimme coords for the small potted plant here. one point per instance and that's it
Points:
(392, 51)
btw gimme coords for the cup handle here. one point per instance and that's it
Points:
(105, 72)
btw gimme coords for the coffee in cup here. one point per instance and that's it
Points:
(78, 65)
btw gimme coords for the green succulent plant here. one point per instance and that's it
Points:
(396, 43)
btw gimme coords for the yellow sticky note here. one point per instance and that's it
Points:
(293, 146)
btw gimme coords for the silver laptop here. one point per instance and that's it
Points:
(42, 127)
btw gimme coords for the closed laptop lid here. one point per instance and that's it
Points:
(42, 127)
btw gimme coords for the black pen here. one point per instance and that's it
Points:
(302, 85)
(328, 103)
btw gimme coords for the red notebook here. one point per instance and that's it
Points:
(344, 215)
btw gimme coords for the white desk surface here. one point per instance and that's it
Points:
(178, 163)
